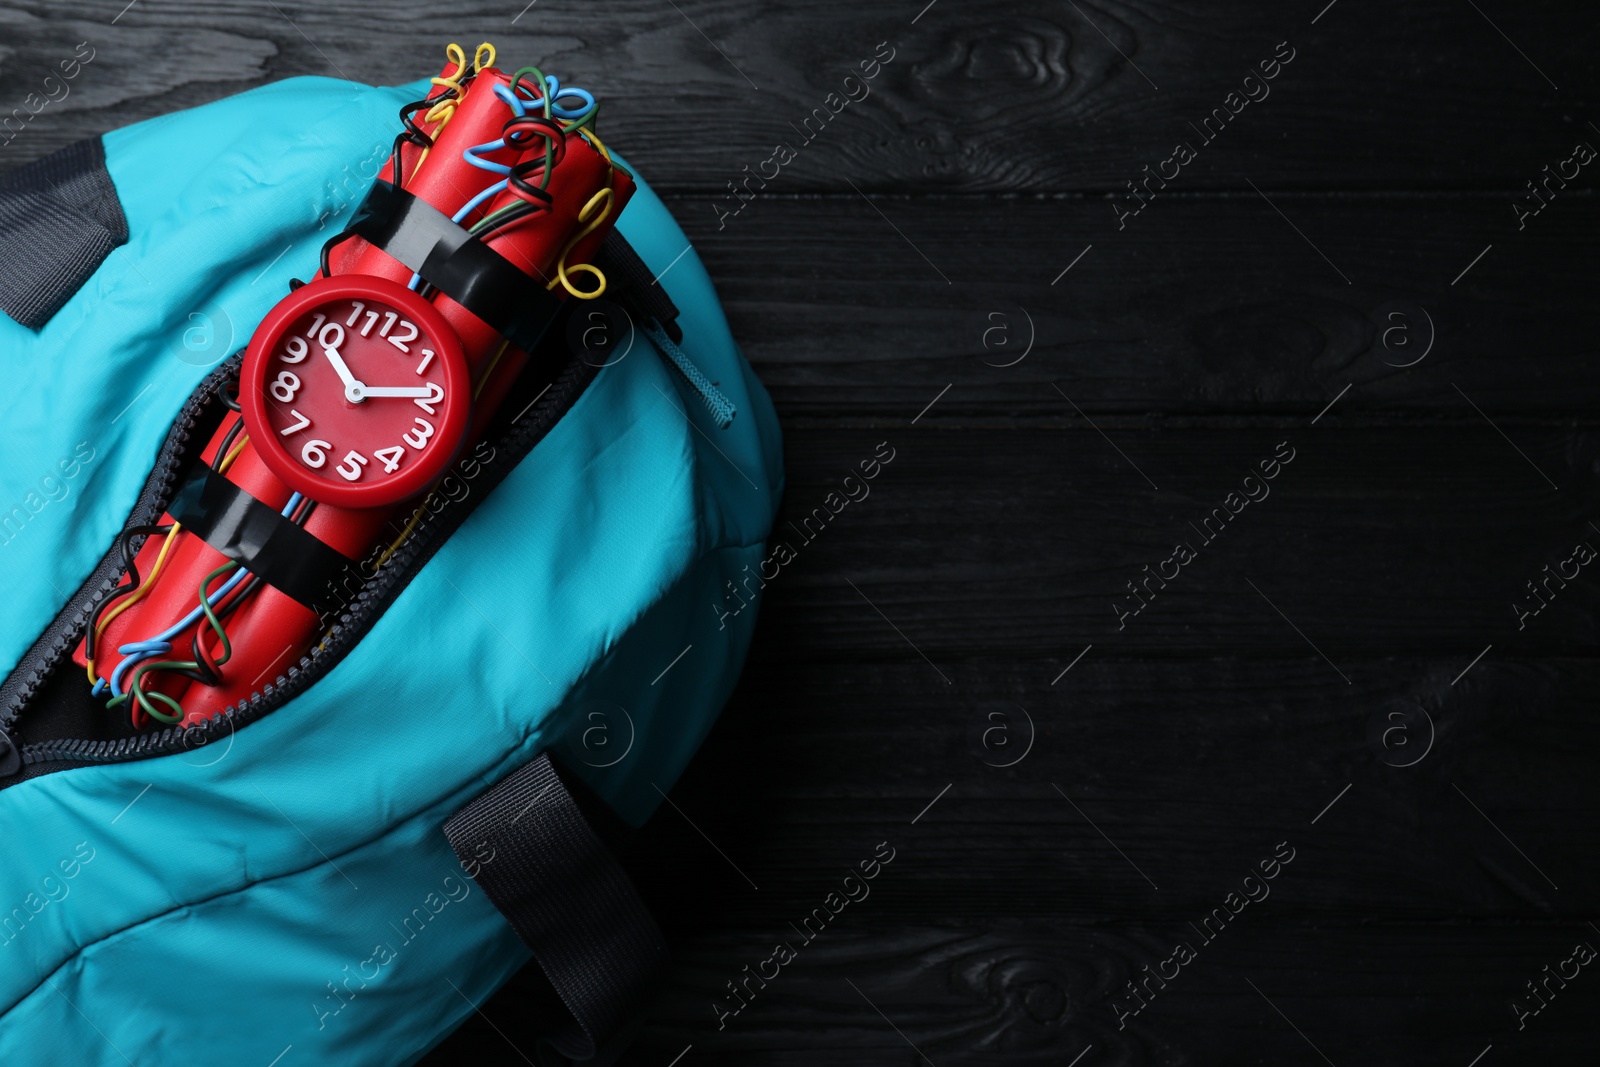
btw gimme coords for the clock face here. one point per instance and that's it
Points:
(355, 392)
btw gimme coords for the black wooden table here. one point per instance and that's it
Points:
(1215, 655)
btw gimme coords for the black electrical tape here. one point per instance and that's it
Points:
(630, 279)
(263, 542)
(459, 265)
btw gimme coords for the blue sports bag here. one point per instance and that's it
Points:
(339, 869)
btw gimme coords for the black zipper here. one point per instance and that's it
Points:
(515, 436)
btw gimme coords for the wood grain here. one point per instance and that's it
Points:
(1015, 994)
(977, 542)
(981, 97)
(1140, 790)
(1196, 307)
(970, 209)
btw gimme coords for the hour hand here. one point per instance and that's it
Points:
(354, 391)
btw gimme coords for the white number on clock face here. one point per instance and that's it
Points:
(418, 437)
(326, 333)
(390, 457)
(350, 469)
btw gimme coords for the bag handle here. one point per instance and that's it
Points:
(568, 899)
(59, 218)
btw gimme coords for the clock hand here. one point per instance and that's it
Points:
(354, 390)
(402, 391)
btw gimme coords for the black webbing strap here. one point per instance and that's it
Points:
(568, 900)
(263, 542)
(630, 279)
(456, 263)
(59, 218)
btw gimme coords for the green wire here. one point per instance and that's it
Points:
(586, 120)
(211, 615)
(544, 87)
(136, 683)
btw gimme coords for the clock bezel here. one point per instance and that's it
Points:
(451, 426)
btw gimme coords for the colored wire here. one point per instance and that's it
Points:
(563, 277)
(442, 111)
(453, 85)
(233, 455)
(202, 667)
(205, 663)
(193, 669)
(219, 459)
(136, 651)
(474, 156)
(134, 586)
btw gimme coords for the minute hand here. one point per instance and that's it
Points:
(405, 392)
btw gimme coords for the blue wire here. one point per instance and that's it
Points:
(473, 156)
(519, 107)
(137, 651)
(556, 93)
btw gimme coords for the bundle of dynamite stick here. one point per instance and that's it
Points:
(439, 159)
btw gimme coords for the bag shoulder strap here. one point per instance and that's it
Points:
(568, 899)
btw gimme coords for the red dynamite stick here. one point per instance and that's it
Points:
(271, 632)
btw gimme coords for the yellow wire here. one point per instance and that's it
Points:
(601, 145)
(137, 595)
(442, 111)
(488, 368)
(398, 541)
(607, 196)
(563, 273)
(233, 454)
(445, 110)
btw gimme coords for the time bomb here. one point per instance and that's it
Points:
(360, 389)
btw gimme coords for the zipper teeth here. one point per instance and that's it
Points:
(176, 446)
(299, 676)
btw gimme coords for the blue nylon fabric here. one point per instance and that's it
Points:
(228, 886)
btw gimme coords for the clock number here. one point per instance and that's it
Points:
(295, 349)
(399, 341)
(435, 394)
(333, 330)
(427, 358)
(372, 318)
(315, 453)
(418, 437)
(287, 385)
(356, 314)
(390, 458)
(388, 323)
(297, 427)
(350, 469)
(316, 324)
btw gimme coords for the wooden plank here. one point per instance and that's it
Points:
(1196, 306)
(1139, 789)
(979, 96)
(1373, 541)
(873, 989)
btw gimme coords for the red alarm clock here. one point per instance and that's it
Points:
(355, 392)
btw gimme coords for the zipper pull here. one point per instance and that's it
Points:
(10, 756)
(721, 408)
